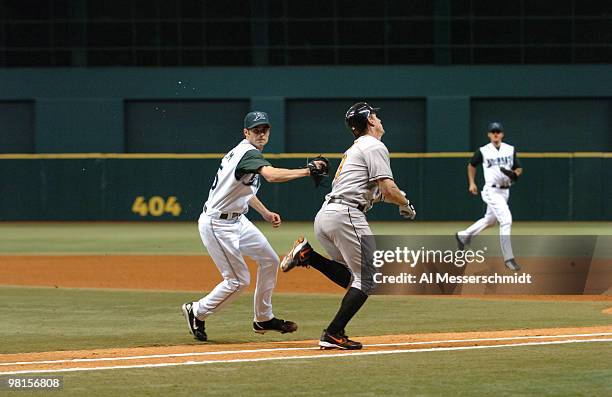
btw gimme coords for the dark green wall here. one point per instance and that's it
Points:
(17, 127)
(105, 189)
(425, 108)
(547, 124)
(78, 125)
(183, 126)
(318, 125)
(200, 110)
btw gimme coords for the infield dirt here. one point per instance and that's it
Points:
(167, 272)
(189, 354)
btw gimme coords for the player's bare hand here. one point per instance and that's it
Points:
(321, 165)
(473, 189)
(273, 218)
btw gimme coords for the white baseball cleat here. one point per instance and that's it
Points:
(298, 255)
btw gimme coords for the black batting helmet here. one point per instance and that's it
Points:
(356, 117)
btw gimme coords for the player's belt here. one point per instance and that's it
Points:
(500, 186)
(226, 215)
(336, 200)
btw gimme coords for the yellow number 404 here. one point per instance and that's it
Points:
(156, 206)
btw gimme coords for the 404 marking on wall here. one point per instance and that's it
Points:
(156, 206)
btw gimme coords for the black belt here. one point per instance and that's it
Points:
(226, 215)
(360, 207)
(501, 187)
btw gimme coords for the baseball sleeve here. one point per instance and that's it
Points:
(377, 160)
(516, 163)
(476, 159)
(250, 163)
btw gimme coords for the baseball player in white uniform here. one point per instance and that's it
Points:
(363, 177)
(501, 169)
(228, 234)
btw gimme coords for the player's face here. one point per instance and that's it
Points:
(258, 136)
(496, 136)
(377, 123)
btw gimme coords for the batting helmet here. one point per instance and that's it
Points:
(356, 118)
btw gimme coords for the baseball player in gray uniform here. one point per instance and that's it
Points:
(501, 169)
(228, 234)
(363, 177)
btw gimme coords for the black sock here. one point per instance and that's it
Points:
(351, 303)
(335, 271)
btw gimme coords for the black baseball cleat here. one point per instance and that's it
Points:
(460, 244)
(196, 327)
(276, 324)
(512, 265)
(339, 341)
(298, 256)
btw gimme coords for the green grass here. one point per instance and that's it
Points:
(562, 370)
(183, 238)
(44, 319)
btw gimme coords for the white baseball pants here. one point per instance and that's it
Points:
(497, 210)
(227, 241)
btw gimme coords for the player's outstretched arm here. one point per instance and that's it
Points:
(471, 174)
(268, 215)
(278, 175)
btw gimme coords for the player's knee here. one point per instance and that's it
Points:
(269, 260)
(237, 284)
(273, 260)
(506, 222)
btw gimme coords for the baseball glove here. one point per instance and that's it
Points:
(318, 173)
(509, 173)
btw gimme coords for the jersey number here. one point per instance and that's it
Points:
(214, 185)
(340, 167)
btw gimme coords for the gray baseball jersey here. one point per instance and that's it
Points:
(362, 165)
(340, 226)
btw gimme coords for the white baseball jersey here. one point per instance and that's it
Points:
(495, 194)
(362, 165)
(237, 180)
(227, 240)
(492, 159)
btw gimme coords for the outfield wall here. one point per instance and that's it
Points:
(555, 186)
(426, 110)
(545, 108)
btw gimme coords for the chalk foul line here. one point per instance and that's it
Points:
(343, 354)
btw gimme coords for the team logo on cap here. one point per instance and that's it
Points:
(259, 116)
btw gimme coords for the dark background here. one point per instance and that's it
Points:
(47, 33)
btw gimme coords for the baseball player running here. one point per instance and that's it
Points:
(364, 177)
(501, 169)
(228, 234)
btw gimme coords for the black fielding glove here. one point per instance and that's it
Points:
(509, 173)
(318, 173)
